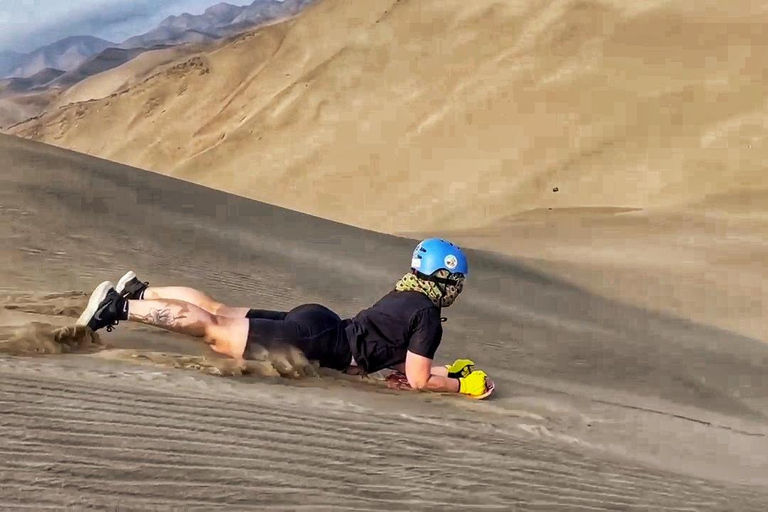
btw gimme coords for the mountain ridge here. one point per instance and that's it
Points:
(217, 21)
(41, 78)
(65, 54)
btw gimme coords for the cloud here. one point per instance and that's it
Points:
(28, 24)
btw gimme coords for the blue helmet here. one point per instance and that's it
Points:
(436, 254)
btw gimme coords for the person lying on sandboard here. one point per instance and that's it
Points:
(402, 331)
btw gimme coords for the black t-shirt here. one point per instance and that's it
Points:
(381, 335)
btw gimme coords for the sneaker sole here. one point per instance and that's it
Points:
(124, 281)
(97, 297)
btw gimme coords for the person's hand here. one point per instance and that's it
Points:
(473, 384)
(460, 368)
(397, 380)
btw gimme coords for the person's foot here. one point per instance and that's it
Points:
(105, 308)
(129, 286)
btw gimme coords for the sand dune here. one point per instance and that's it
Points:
(705, 267)
(453, 114)
(471, 121)
(99, 63)
(600, 405)
(11, 112)
(15, 108)
(133, 72)
(88, 82)
(602, 159)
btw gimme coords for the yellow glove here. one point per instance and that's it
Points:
(460, 368)
(474, 384)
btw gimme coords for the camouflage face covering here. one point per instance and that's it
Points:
(412, 283)
(452, 290)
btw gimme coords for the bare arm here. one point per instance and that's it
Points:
(442, 371)
(421, 375)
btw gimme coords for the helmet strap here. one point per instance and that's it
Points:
(434, 279)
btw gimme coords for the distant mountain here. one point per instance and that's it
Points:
(190, 36)
(104, 61)
(218, 21)
(168, 36)
(263, 11)
(35, 80)
(66, 55)
(9, 61)
(224, 11)
(215, 16)
(186, 26)
(45, 76)
(40, 79)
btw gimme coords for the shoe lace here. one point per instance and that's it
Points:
(111, 327)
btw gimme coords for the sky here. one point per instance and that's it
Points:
(26, 25)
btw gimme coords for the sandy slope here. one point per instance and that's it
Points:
(600, 405)
(708, 267)
(456, 114)
(156, 442)
(18, 107)
(21, 106)
(131, 73)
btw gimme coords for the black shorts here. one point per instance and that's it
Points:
(314, 329)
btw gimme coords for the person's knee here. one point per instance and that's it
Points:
(215, 307)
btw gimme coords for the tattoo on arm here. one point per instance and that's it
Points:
(162, 317)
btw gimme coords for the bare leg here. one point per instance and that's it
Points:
(225, 335)
(195, 297)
